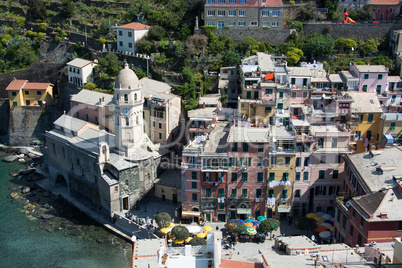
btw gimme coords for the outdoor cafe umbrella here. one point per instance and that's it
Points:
(248, 224)
(311, 215)
(208, 228)
(320, 229)
(261, 218)
(165, 230)
(242, 221)
(251, 231)
(320, 213)
(171, 224)
(256, 223)
(319, 218)
(194, 229)
(332, 229)
(188, 239)
(326, 216)
(233, 220)
(326, 225)
(201, 235)
(179, 241)
(330, 222)
(249, 220)
(325, 234)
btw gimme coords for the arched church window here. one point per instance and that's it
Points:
(125, 98)
(136, 120)
(127, 121)
(135, 96)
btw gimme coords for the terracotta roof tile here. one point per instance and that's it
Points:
(135, 26)
(36, 85)
(385, 2)
(16, 84)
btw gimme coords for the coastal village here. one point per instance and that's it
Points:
(271, 162)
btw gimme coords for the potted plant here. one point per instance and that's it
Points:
(209, 264)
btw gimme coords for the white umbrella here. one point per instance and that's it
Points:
(326, 225)
(320, 213)
(325, 234)
(194, 229)
(327, 216)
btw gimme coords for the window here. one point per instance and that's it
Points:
(399, 225)
(232, 24)
(379, 76)
(258, 193)
(15, 103)
(361, 118)
(268, 91)
(271, 176)
(194, 198)
(245, 147)
(335, 174)
(160, 136)
(351, 230)
(359, 239)
(221, 192)
(13, 93)
(234, 176)
(194, 185)
(370, 118)
(305, 95)
(294, 95)
(254, 23)
(281, 95)
(392, 126)
(261, 146)
(194, 175)
(211, 13)
(361, 221)
(243, 192)
(321, 174)
(323, 159)
(275, 13)
(273, 160)
(208, 192)
(368, 136)
(160, 125)
(390, 10)
(242, 13)
(284, 193)
(265, 13)
(260, 176)
(298, 161)
(232, 13)
(153, 123)
(287, 160)
(242, 23)
(127, 121)
(305, 176)
(275, 24)
(234, 193)
(221, 1)
(38, 93)
(26, 92)
(130, 34)
(232, 1)
(268, 110)
(244, 177)
(298, 193)
(320, 142)
(242, 1)
(297, 176)
(306, 161)
(211, 23)
(270, 193)
(378, 89)
(221, 206)
(120, 33)
(130, 45)
(334, 142)
(260, 161)
(364, 88)
(221, 12)
(234, 147)
(366, 76)
(354, 213)
(285, 176)
(211, 1)
(121, 43)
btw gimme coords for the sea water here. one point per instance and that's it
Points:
(22, 245)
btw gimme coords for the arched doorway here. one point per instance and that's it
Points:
(61, 181)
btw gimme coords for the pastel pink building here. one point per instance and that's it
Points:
(371, 78)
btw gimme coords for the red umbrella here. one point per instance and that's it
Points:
(320, 229)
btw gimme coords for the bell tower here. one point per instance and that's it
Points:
(128, 110)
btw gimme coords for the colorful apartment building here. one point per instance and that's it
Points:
(393, 103)
(81, 71)
(372, 78)
(391, 124)
(129, 34)
(22, 93)
(365, 124)
(367, 210)
(386, 10)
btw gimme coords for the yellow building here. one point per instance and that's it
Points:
(23, 93)
(366, 124)
(168, 186)
(391, 124)
(281, 173)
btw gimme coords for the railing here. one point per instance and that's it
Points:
(341, 205)
(190, 165)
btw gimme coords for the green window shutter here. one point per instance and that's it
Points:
(335, 174)
(393, 126)
(284, 193)
(364, 88)
(298, 161)
(297, 176)
(285, 176)
(366, 76)
(234, 147)
(234, 176)
(305, 176)
(270, 193)
(258, 193)
(280, 95)
(194, 175)
(208, 192)
(260, 176)
(234, 193)
(260, 147)
(230, 161)
(245, 147)
(260, 160)
(220, 192)
(204, 176)
(244, 176)
(321, 174)
(271, 176)
(194, 185)
(244, 193)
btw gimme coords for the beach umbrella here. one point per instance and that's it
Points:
(233, 220)
(188, 239)
(249, 220)
(326, 216)
(248, 224)
(320, 213)
(261, 218)
(201, 235)
(319, 219)
(311, 215)
(242, 221)
(194, 229)
(326, 225)
(256, 223)
(179, 241)
(251, 231)
(171, 225)
(208, 228)
(330, 222)
(325, 234)
(165, 230)
(332, 229)
(320, 229)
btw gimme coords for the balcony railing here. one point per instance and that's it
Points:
(340, 201)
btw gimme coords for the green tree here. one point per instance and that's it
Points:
(188, 76)
(298, 25)
(369, 46)
(306, 224)
(184, 33)
(307, 12)
(67, 8)
(156, 33)
(37, 9)
(344, 44)
(144, 46)
(5, 38)
(246, 44)
(180, 232)
(140, 73)
(319, 45)
(365, 13)
(180, 50)
(293, 56)
(231, 58)
(197, 241)
(332, 7)
(20, 22)
(42, 27)
(90, 86)
(383, 60)
(109, 64)
(269, 225)
(163, 220)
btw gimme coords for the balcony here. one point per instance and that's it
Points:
(342, 204)
(270, 102)
(190, 165)
(304, 138)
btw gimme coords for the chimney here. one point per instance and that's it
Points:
(383, 215)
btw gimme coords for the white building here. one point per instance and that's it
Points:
(130, 33)
(80, 71)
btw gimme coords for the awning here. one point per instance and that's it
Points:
(191, 213)
(244, 211)
(284, 209)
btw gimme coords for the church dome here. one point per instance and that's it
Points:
(127, 79)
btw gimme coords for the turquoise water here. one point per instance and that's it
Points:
(22, 245)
